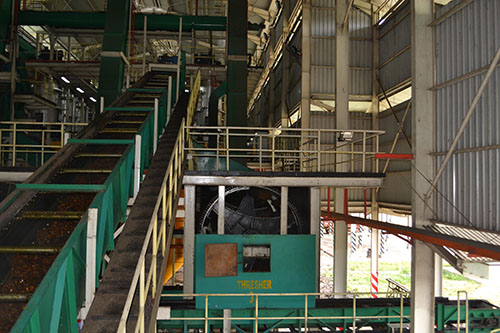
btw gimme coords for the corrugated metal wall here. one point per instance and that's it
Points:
(323, 47)
(395, 37)
(465, 42)
(397, 187)
(323, 50)
(360, 53)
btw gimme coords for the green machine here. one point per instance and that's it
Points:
(254, 264)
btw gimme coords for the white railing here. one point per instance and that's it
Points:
(306, 318)
(290, 149)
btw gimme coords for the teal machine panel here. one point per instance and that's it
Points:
(292, 269)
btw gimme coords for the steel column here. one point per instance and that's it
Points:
(305, 104)
(422, 273)
(342, 119)
(236, 111)
(114, 41)
(221, 208)
(189, 228)
(285, 67)
(284, 211)
(315, 216)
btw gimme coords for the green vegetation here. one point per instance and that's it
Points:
(400, 271)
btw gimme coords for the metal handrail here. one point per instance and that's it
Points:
(43, 128)
(306, 317)
(169, 191)
(466, 311)
(314, 149)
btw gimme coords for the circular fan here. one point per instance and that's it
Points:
(250, 210)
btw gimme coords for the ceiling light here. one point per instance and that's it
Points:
(80, 90)
(93, 99)
(65, 79)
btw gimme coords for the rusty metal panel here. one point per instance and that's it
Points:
(221, 259)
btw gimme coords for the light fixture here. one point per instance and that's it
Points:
(80, 90)
(65, 79)
(345, 136)
(93, 99)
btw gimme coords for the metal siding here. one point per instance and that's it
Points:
(389, 125)
(395, 40)
(465, 42)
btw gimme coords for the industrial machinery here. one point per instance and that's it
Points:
(44, 221)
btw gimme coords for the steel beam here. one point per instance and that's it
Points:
(350, 182)
(430, 237)
(96, 20)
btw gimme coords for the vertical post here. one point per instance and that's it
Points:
(305, 103)
(90, 260)
(227, 321)
(137, 165)
(285, 65)
(101, 105)
(177, 93)
(221, 209)
(374, 261)
(438, 275)
(169, 98)
(189, 228)
(144, 43)
(155, 127)
(69, 48)
(315, 216)
(14, 143)
(342, 119)
(422, 54)
(284, 211)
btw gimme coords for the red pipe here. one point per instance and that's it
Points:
(385, 156)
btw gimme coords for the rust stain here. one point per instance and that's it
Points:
(221, 259)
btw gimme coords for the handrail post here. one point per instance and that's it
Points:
(364, 151)
(155, 254)
(227, 149)
(14, 146)
(319, 150)
(206, 313)
(260, 152)
(256, 327)
(401, 309)
(217, 151)
(352, 156)
(43, 148)
(142, 296)
(272, 150)
(354, 313)
(305, 313)
(377, 137)
(155, 127)
(164, 219)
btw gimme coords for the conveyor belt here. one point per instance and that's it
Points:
(37, 224)
(108, 304)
